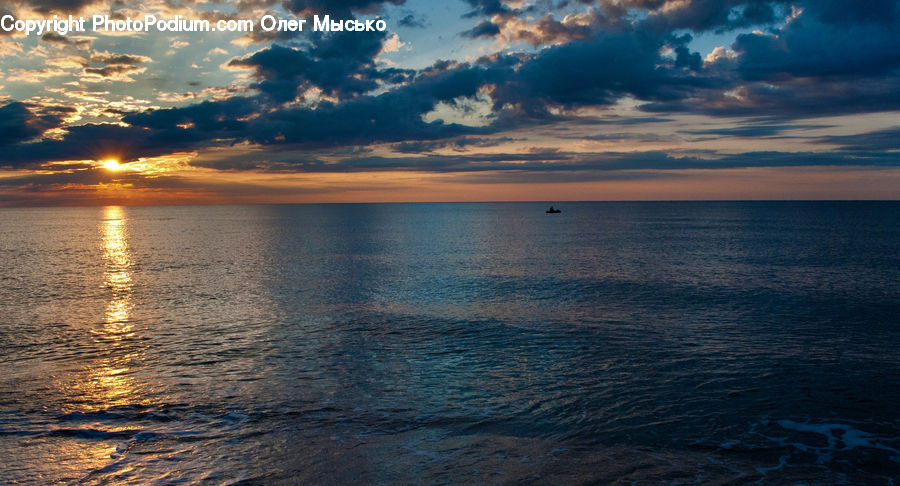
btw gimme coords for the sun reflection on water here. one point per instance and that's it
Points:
(110, 379)
(118, 272)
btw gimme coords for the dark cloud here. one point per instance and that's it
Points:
(488, 8)
(106, 58)
(684, 58)
(552, 161)
(616, 161)
(390, 117)
(483, 29)
(660, 16)
(598, 72)
(755, 130)
(419, 146)
(103, 141)
(815, 64)
(202, 121)
(113, 70)
(423, 146)
(704, 15)
(446, 163)
(394, 116)
(848, 11)
(18, 123)
(82, 43)
(790, 99)
(341, 65)
(412, 20)
(812, 66)
(878, 140)
(4, 12)
(53, 37)
(523, 90)
(273, 159)
(807, 48)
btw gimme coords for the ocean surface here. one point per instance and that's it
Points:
(632, 343)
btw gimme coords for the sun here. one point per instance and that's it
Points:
(113, 165)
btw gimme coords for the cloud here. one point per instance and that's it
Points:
(552, 161)
(114, 72)
(95, 142)
(489, 8)
(887, 140)
(341, 65)
(4, 12)
(548, 30)
(755, 130)
(813, 65)
(112, 67)
(807, 48)
(55, 38)
(412, 20)
(207, 120)
(703, 15)
(842, 11)
(790, 98)
(19, 123)
(483, 29)
(309, 101)
(390, 117)
(423, 146)
(660, 16)
(522, 89)
(393, 116)
(76, 42)
(107, 58)
(598, 72)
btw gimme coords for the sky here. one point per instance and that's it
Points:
(456, 100)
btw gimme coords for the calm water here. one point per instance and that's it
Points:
(635, 342)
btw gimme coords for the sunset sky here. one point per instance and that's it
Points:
(458, 100)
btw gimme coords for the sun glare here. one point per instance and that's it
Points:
(112, 164)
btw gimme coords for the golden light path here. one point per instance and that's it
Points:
(118, 272)
(107, 379)
(111, 380)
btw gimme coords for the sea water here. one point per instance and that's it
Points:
(726, 342)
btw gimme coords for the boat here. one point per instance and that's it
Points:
(553, 211)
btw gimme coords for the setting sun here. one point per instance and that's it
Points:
(112, 164)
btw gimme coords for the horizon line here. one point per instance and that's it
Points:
(535, 201)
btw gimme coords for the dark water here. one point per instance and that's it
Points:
(649, 343)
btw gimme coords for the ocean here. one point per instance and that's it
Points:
(632, 343)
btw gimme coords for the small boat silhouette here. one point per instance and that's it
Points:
(553, 211)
